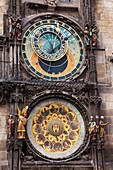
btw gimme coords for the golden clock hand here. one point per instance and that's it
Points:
(57, 28)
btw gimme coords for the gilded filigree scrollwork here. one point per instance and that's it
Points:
(55, 128)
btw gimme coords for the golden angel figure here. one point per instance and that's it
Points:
(22, 120)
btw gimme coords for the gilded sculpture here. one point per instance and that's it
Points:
(22, 120)
(92, 128)
(102, 125)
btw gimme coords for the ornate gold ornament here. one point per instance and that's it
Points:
(55, 127)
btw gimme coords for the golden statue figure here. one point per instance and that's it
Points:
(22, 120)
(102, 124)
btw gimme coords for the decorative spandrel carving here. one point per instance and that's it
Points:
(95, 99)
(83, 98)
(16, 97)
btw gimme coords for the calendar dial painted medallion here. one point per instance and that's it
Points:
(56, 128)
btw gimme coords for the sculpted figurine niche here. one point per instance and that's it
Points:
(22, 120)
(11, 126)
(102, 125)
(92, 128)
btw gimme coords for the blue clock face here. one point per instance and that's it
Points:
(53, 50)
(50, 43)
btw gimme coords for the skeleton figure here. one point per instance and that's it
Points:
(22, 120)
(51, 2)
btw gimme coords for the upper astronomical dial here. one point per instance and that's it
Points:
(53, 50)
(48, 43)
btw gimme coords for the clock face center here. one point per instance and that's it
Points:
(55, 127)
(51, 43)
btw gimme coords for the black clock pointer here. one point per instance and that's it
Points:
(53, 50)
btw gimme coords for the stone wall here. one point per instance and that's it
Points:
(104, 18)
(3, 10)
(4, 111)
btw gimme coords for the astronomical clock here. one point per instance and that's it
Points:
(48, 76)
(53, 50)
